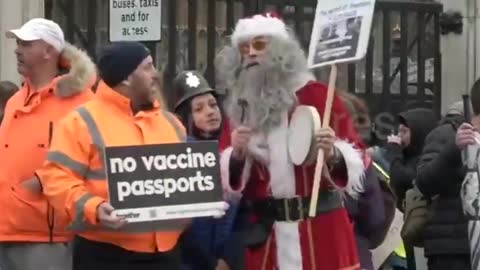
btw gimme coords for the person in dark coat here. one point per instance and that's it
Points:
(439, 176)
(404, 150)
(210, 243)
(367, 211)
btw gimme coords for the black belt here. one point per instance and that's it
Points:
(296, 208)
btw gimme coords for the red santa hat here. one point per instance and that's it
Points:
(268, 24)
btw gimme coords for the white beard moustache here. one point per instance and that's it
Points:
(265, 91)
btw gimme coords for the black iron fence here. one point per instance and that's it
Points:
(402, 68)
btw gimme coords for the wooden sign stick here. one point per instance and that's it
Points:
(321, 155)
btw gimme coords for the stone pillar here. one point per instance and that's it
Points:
(453, 48)
(12, 15)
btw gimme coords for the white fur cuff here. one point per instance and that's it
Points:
(355, 166)
(230, 192)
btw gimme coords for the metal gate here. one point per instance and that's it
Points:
(402, 68)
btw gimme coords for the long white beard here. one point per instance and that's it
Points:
(267, 96)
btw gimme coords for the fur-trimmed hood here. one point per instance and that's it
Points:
(81, 72)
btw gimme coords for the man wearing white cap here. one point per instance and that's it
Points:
(57, 79)
(266, 73)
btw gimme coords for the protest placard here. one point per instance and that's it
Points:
(341, 31)
(392, 241)
(135, 20)
(163, 182)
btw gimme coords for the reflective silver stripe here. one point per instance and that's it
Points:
(178, 129)
(95, 175)
(66, 161)
(97, 140)
(78, 167)
(79, 223)
(93, 130)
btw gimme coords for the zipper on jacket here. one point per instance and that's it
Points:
(50, 220)
(50, 133)
(50, 209)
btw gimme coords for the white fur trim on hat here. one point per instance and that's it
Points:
(258, 25)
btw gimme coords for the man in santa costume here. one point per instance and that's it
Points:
(266, 75)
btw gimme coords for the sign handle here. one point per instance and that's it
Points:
(321, 155)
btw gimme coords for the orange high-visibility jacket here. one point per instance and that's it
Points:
(30, 118)
(74, 178)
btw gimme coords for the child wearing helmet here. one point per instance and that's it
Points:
(210, 243)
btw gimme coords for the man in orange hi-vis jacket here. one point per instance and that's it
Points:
(124, 112)
(57, 79)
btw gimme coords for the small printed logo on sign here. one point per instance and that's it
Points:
(153, 213)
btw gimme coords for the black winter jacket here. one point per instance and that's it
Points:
(403, 161)
(440, 173)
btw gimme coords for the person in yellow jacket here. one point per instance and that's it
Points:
(124, 112)
(57, 79)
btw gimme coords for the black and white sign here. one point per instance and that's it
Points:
(135, 20)
(340, 32)
(166, 181)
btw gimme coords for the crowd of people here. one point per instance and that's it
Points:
(55, 127)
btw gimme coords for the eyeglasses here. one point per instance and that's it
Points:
(258, 44)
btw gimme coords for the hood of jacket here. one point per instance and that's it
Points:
(420, 122)
(80, 72)
(455, 120)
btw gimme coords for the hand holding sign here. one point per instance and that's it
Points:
(240, 139)
(340, 34)
(325, 138)
(106, 217)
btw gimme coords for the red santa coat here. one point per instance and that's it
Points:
(326, 242)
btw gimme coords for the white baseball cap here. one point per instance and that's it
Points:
(40, 29)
